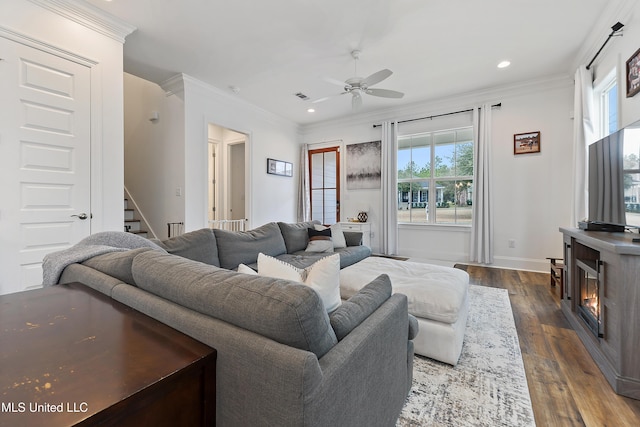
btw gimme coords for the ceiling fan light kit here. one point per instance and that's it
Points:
(356, 86)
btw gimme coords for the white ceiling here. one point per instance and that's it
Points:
(272, 49)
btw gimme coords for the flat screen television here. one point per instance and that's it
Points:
(614, 178)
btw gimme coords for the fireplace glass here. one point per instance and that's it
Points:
(589, 302)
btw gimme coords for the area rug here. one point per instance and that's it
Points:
(487, 387)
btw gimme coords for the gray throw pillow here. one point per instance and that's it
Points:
(296, 237)
(199, 245)
(360, 306)
(243, 247)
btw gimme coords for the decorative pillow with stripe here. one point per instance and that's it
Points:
(319, 240)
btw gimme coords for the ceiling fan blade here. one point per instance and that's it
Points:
(376, 77)
(385, 93)
(325, 98)
(334, 81)
(356, 100)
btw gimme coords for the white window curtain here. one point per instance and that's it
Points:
(481, 248)
(389, 241)
(304, 201)
(582, 137)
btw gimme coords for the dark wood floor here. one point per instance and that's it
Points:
(566, 386)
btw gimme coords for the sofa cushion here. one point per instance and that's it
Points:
(296, 237)
(360, 306)
(322, 276)
(353, 238)
(243, 247)
(116, 264)
(199, 245)
(319, 240)
(277, 309)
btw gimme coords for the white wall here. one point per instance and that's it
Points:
(66, 36)
(272, 198)
(154, 156)
(172, 153)
(531, 192)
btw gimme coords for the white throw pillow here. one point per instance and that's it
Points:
(245, 269)
(337, 235)
(323, 276)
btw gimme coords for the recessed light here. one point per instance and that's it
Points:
(311, 110)
(504, 64)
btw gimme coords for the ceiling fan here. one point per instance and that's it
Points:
(357, 86)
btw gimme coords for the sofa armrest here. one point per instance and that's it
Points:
(360, 306)
(353, 238)
(370, 369)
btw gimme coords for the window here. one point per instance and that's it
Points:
(324, 176)
(606, 103)
(631, 175)
(435, 177)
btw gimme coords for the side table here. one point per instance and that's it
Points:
(70, 355)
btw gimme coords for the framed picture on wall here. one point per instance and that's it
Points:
(633, 74)
(364, 166)
(279, 167)
(525, 143)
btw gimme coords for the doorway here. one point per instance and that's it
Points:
(227, 206)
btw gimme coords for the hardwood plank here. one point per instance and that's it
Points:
(552, 405)
(560, 374)
(594, 397)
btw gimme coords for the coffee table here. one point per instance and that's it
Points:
(70, 355)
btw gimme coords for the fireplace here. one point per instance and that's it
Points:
(589, 305)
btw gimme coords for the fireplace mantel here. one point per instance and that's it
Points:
(613, 259)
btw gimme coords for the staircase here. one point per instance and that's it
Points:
(131, 223)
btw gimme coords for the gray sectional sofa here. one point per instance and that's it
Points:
(282, 359)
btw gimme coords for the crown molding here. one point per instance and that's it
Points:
(89, 16)
(174, 85)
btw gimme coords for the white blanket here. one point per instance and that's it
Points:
(434, 292)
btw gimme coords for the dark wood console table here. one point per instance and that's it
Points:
(601, 300)
(70, 355)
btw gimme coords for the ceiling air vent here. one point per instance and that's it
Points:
(302, 96)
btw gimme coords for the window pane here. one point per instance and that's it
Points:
(632, 198)
(330, 213)
(631, 148)
(330, 169)
(445, 153)
(464, 158)
(414, 157)
(317, 205)
(317, 170)
(413, 201)
(612, 103)
(454, 202)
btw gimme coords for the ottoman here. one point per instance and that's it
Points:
(437, 296)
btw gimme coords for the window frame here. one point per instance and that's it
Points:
(434, 179)
(324, 150)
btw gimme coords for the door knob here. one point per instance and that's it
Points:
(82, 216)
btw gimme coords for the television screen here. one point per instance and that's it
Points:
(614, 177)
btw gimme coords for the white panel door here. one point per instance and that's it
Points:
(44, 160)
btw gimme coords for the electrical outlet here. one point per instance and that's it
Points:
(512, 243)
(178, 191)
